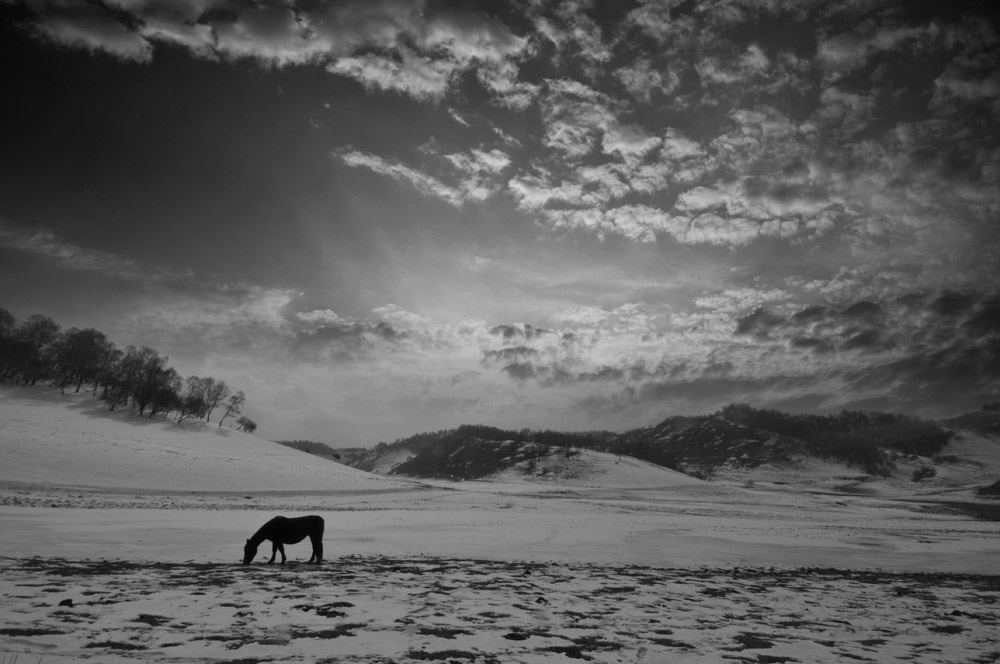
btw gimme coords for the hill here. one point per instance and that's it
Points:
(474, 451)
(463, 454)
(742, 436)
(54, 439)
(850, 452)
(984, 421)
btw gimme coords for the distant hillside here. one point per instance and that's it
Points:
(742, 436)
(349, 456)
(474, 451)
(737, 436)
(985, 421)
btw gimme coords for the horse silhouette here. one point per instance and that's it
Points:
(281, 531)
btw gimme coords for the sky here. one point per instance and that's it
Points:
(384, 217)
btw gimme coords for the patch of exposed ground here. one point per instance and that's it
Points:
(375, 609)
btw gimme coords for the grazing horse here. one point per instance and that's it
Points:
(281, 530)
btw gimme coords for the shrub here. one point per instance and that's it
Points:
(922, 473)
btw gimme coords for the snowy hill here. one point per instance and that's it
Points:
(587, 468)
(520, 462)
(72, 440)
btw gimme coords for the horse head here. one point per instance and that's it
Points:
(249, 552)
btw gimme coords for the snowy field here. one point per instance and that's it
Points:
(128, 538)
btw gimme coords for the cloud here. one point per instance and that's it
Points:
(92, 28)
(631, 142)
(535, 192)
(321, 317)
(472, 37)
(635, 222)
(629, 318)
(48, 245)
(575, 116)
(457, 117)
(848, 51)
(402, 46)
(644, 81)
(274, 34)
(575, 35)
(480, 172)
(412, 74)
(423, 183)
(400, 318)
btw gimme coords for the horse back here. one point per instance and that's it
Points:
(295, 529)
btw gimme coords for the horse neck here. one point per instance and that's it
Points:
(260, 535)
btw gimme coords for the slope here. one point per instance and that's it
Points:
(72, 440)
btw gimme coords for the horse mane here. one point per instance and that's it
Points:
(260, 535)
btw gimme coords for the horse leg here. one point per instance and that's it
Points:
(318, 548)
(317, 552)
(281, 547)
(274, 552)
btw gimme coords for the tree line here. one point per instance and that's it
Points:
(37, 349)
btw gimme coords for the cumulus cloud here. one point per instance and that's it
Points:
(480, 171)
(847, 51)
(92, 28)
(400, 318)
(321, 317)
(410, 73)
(387, 45)
(575, 116)
(635, 222)
(643, 80)
(629, 141)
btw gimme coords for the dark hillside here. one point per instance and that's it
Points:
(985, 421)
(738, 436)
(698, 445)
(472, 451)
(312, 447)
(470, 458)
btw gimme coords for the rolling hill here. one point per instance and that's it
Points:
(72, 440)
(851, 452)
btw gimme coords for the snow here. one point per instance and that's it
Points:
(72, 440)
(140, 525)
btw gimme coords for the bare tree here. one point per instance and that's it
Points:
(80, 355)
(234, 405)
(36, 335)
(8, 344)
(166, 394)
(214, 395)
(193, 402)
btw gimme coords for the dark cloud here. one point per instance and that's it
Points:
(520, 371)
(810, 314)
(509, 355)
(521, 331)
(986, 320)
(863, 310)
(951, 303)
(815, 345)
(946, 381)
(760, 323)
(864, 340)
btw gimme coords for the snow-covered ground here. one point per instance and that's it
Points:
(138, 527)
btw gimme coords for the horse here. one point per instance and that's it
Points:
(281, 530)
